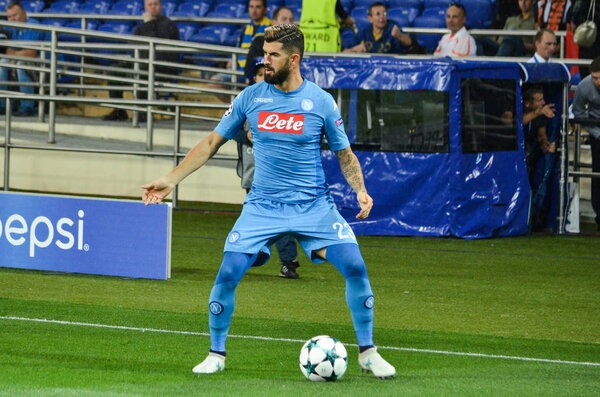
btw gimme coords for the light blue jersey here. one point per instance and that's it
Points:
(287, 129)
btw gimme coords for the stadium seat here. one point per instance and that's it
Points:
(437, 4)
(348, 5)
(227, 11)
(429, 41)
(360, 17)
(418, 4)
(59, 23)
(231, 39)
(169, 7)
(186, 30)
(434, 12)
(480, 13)
(125, 7)
(188, 9)
(120, 27)
(347, 36)
(95, 7)
(293, 4)
(90, 25)
(401, 20)
(63, 7)
(31, 6)
(211, 35)
(398, 14)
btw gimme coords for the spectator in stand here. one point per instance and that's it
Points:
(320, 25)
(281, 15)
(579, 15)
(383, 36)
(519, 46)
(155, 25)
(458, 42)
(545, 46)
(586, 104)
(512, 46)
(16, 13)
(257, 9)
(553, 14)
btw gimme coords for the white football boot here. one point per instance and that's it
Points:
(212, 363)
(371, 361)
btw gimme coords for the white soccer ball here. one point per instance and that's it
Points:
(323, 358)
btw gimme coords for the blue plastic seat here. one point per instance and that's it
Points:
(195, 9)
(348, 5)
(95, 7)
(480, 13)
(429, 41)
(186, 30)
(434, 12)
(418, 4)
(347, 37)
(361, 19)
(63, 7)
(398, 14)
(169, 7)
(90, 25)
(231, 38)
(125, 7)
(293, 3)
(31, 6)
(364, 3)
(211, 35)
(227, 11)
(401, 20)
(437, 4)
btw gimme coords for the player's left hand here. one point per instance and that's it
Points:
(366, 203)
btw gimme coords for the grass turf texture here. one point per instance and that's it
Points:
(528, 297)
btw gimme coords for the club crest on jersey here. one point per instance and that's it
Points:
(339, 122)
(228, 111)
(307, 105)
(234, 237)
(281, 122)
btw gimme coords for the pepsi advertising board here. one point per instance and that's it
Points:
(80, 235)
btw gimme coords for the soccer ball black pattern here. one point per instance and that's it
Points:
(323, 358)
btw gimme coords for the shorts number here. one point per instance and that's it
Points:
(344, 231)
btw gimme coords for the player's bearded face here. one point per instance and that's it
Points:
(277, 76)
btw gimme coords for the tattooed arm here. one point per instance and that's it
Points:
(354, 176)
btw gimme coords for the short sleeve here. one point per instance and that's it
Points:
(234, 118)
(334, 125)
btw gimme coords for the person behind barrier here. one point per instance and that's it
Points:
(536, 113)
(586, 104)
(155, 25)
(257, 9)
(382, 36)
(320, 25)
(545, 46)
(281, 15)
(457, 43)
(512, 46)
(289, 117)
(16, 13)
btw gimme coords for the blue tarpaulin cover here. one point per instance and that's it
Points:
(441, 194)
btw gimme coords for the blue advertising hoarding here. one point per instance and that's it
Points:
(81, 235)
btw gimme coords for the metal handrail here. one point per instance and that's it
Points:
(175, 154)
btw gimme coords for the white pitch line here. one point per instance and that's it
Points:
(266, 338)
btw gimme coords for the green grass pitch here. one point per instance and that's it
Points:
(498, 317)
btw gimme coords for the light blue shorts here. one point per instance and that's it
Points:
(316, 224)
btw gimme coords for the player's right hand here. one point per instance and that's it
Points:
(157, 190)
